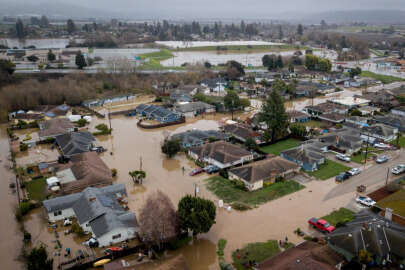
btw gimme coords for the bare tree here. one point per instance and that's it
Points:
(158, 220)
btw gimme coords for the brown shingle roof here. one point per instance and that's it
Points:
(221, 151)
(262, 170)
(55, 127)
(89, 170)
(306, 256)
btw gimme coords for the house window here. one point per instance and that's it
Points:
(116, 236)
(57, 213)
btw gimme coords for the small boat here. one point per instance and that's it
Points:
(115, 249)
(101, 262)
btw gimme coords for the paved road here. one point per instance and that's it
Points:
(373, 174)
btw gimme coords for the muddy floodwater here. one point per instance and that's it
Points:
(11, 238)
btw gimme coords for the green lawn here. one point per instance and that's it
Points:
(342, 215)
(377, 52)
(329, 169)
(36, 189)
(227, 191)
(401, 141)
(280, 146)
(395, 201)
(161, 55)
(359, 158)
(385, 79)
(257, 252)
(314, 124)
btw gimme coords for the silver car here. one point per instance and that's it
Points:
(354, 171)
(382, 159)
(398, 169)
(343, 157)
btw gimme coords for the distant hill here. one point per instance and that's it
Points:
(366, 16)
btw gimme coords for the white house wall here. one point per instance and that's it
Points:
(107, 239)
(66, 213)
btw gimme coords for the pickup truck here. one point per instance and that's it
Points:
(321, 225)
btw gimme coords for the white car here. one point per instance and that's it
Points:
(343, 157)
(398, 169)
(382, 145)
(354, 171)
(364, 200)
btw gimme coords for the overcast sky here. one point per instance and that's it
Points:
(218, 8)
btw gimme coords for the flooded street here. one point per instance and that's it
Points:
(11, 243)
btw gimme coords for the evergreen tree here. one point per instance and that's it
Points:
(196, 214)
(300, 30)
(280, 33)
(38, 260)
(70, 26)
(80, 61)
(51, 56)
(279, 62)
(19, 29)
(274, 115)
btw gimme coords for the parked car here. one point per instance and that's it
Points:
(98, 149)
(354, 171)
(364, 200)
(343, 157)
(342, 176)
(321, 225)
(196, 171)
(382, 159)
(92, 242)
(398, 169)
(382, 146)
(211, 169)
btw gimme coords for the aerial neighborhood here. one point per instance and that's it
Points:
(202, 144)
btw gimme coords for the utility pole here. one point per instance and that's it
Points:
(365, 158)
(109, 117)
(388, 175)
(140, 163)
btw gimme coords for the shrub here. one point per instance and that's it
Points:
(76, 229)
(339, 125)
(240, 206)
(23, 147)
(179, 242)
(114, 172)
(224, 173)
(158, 99)
(171, 147)
(81, 122)
(221, 247)
(27, 236)
(393, 187)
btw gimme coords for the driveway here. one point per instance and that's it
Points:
(332, 156)
(373, 174)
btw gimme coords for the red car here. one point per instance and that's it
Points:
(196, 171)
(321, 225)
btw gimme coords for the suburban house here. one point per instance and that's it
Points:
(368, 110)
(54, 127)
(193, 138)
(383, 99)
(343, 142)
(216, 85)
(306, 155)
(75, 143)
(52, 111)
(377, 235)
(242, 133)
(179, 96)
(298, 117)
(357, 120)
(255, 174)
(326, 108)
(191, 89)
(99, 211)
(305, 256)
(221, 154)
(82, 171)
(391, 120)
(193, 109)
(157, 113)
(398, 111)
(350, 102)
(378, 132)
(334, 118)
(25, 116)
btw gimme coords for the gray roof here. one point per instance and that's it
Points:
(305, 153)
(75, 142)
(111, 220)
(369, 232)
(98, 206)
(379, 129)
(193, 106)
(197, 137)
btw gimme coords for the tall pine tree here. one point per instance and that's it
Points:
(274, 115)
